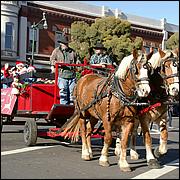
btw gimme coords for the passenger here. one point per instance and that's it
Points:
(67, 74)
(21, 68)
(5, 73)
(100, 57)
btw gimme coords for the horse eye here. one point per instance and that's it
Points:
(145, 66)
(174, 64)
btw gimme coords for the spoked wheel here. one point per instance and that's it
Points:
(30, 132)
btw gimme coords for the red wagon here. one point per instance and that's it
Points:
(37, 101)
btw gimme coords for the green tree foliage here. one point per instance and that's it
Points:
(173, 41)
(80, 42)
(113, 32)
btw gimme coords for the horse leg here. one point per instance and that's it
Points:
(103, 160)
(126, 130)
(117, 150)
(85, 151)
(89, 126)
(162, 149)
(133, 153)
(151, 160)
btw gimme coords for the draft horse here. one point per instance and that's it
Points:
(164, 83)
(104, 98)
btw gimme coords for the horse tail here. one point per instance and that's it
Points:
(71, 128)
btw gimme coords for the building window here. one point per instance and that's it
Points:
(58, 34)
(9, 35)
(31, 40)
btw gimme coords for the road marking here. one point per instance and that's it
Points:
(28, 149)
(155, 173)
(23, 150)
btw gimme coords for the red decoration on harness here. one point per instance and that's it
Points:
(149, 108)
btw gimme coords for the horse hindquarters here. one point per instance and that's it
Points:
(86, 142)
(84, 92)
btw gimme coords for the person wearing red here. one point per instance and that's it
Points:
(5, 74)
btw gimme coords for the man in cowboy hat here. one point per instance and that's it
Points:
(100, 57)
(67, 74)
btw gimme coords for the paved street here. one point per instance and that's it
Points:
(57, 159)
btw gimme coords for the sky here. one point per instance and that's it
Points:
(150, 9)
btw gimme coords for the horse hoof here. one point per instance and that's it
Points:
(157, 154)
(153, 164)
(86, 157)
(91, 156)
(104, 163)
(125, 169)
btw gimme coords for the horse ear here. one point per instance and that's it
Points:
(162, 54)
(150, 54)
(135, 53)
(176, 51)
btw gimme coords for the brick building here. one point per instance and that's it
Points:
(17, 17)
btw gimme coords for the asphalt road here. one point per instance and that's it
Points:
(57, 159)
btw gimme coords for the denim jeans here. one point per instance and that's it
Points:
(66, 87)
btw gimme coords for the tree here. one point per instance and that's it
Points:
(113, 32)
(80, 42)
(173, 41)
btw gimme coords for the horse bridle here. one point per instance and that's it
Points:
(118, 91)
(175, 64)
(133, 71)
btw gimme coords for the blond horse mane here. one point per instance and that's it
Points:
(124, 66)
(155, 59)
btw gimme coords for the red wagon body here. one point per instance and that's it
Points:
(38, 101)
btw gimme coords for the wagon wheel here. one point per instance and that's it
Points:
(30, 132)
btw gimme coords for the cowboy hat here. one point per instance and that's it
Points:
(99, 46)
(63, 39)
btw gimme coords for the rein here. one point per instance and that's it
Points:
(100, 96)
(115, 89)
(98, 70)
(118, 92)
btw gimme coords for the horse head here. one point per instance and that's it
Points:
(133, 73)
(169, 71)
(166, 64)
(142, 78)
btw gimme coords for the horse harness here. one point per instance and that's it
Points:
(111, 86)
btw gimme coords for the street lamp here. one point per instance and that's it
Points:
(34, 27)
